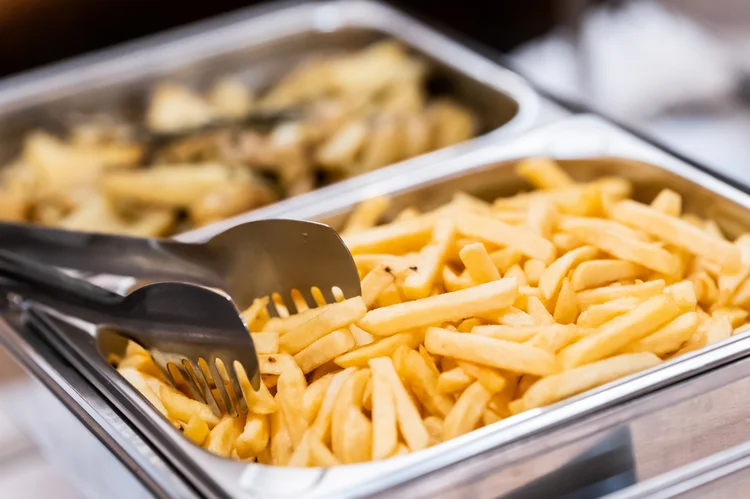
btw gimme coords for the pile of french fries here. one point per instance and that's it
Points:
(470, 314)
(196, 159)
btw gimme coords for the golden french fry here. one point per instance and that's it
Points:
(679, 233)
(683, 293)
(283, 325)
(505, 258)
(735, 316)
(533, 269)
(455, 282)
(140, 383)
(623, 245)
(541, 218)
(325, 349)
(290, 391)
(431, 259)
(361, 337)
(367, 214)
(718, 329)
(384, 347)
(596, 315)
(322, 424)
(517, 272)
(320, 455)
(375, 282)
(544, 173)
(728, 284)
(668, 202)
(668, 338)
(222, 438)
(441, 308)
(554, 388)
(478, 263)
(453, 380)
(409, 421)
(384, 430)
(491, 379)
(614, 335)
(551, 280)
(517, 334)
(196, 430)
(183, 408)
(335, 317)
(396, 238)
(469, 324)
(496, 232)
(514, 317)
(490, 352)
(301, 457)
(538, 311)
(314, 395)
(596, 273)
(565, 242)
(266, 342)
(553, 338)
(254, 310)
(254, 436)
(566, 306)
(357, 444)
(259, 402)
(281, 447)
(423, 383)
(467, 412)
(349, 397)
(606, 294)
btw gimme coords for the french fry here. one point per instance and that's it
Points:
(506, 258)
(140, 383)
(554, 388)
(322, 425)
(491, 379)
(496, 232)
(718, 329)
(478, 263)
(320, 455)
(349, 397)
(551, 280)
(337, 316)
(600, 233)
(538, 311)
(467, 412)
(596, 273)
(266, 342)
(361, 337)
(314, 395)
(541, 218)
(281, 443)
(431, 259)
(254, 437)
(324, 350)
(514, 317)
(222, 438)
(260, 401)
(183, 408)
(409, 421)
(490, 352)
(254, 310)
(517, 334)
(533, 269)
(196, 430)
(679, 233)
(553, 338)
(683, 294)
(449, 306)
(367, 214)
(375, 282)
(668, 202)
(384, 347)
(423, 383)
(668, 338)
(728, 284)
(566, 306)
(596, 315)
(384, 430)
(453, 381)
(469, 324)
(544, 173)
(357, 445)
(283, 325)
(735, 316)
(606, 294)
(301, 456)
(614, 335)
(397, 238)
(289, 392)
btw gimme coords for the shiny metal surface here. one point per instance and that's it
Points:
(179, 324)
(245, 261)
(257, 45)
(486, 171)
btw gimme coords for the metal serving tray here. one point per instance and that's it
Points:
(257, 45)
(485, 171)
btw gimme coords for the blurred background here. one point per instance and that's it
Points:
(678, 70)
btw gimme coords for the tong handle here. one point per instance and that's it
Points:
(54, 288)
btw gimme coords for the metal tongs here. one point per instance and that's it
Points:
(195, 329)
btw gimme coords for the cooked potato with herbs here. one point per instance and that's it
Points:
(202, 156)
(470, 314)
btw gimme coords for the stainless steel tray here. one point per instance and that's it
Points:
(257, 45)
(484, 171)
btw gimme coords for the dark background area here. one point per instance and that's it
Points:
(38, 32)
